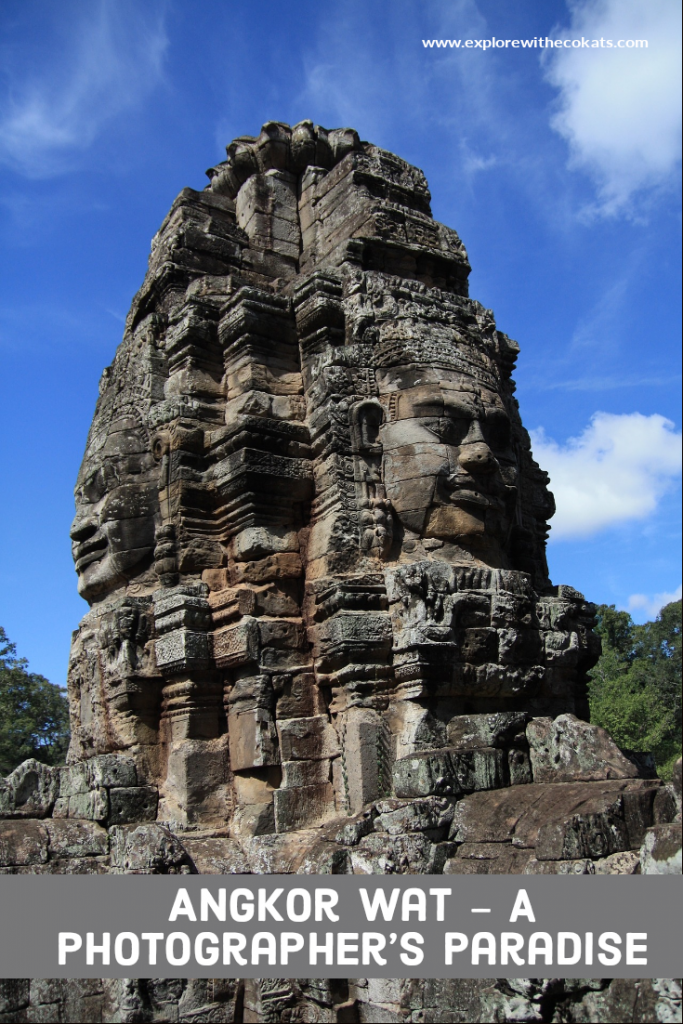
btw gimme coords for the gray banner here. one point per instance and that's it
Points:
(270, 926)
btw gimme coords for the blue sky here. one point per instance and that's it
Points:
(559, 168)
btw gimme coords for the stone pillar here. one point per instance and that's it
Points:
(196, 785)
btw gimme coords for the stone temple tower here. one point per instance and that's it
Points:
(312, 533)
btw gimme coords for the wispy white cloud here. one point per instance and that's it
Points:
(617, 470)
(473, 162)
(599, 326)
(117, 316)
(112, 58)
(33, 326)
(651, 606)
(620, 109)
(486, 108)
(603, 382)
(372, 73)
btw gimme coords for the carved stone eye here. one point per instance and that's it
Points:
(95, 486)
(159, 448)
(453, 429)
(497, 430)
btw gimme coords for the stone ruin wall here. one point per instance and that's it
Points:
(322, 636)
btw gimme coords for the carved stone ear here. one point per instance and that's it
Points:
(374, 519)
(366, 419)
(160, 444)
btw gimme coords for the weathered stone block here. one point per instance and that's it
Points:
(111, 770)
(341, 633)
(307, 739)
(257, 819)
(76, 839)
(133, 803)
(450, 772)
(488, 859)
(560, 867)
(236, 645)
(147, 850)
(43, 991)
(298, 695)
(253, 740)
(73, 779)
(569, 750)
(352, 831)
(29, 791)
(660, 853)
(264, 570)
(364, 760)
(304, 807)
(381, 854)
(14, 994)
(424, 774)
(483, 768)
(305, 773)
(257, 786)
(496, 730)
(182, 650)
(519, 767)
(195, 788)
(412, 727)
(626, 863)
(92, 805)
(258, 542)
(250, 692)
(23, 842)
(282, 633)
(517, 814)
(639, 804)
(432, 815)
(217, 856)
(591, 834)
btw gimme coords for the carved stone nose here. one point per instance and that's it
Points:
(81, 529)
(477, 457)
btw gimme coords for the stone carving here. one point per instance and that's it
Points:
(322, 635)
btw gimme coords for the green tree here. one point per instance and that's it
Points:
(635, 689)
(34, 713)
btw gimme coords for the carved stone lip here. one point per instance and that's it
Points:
(89, 551)
(463, 497)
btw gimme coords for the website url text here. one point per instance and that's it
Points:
(538, 41)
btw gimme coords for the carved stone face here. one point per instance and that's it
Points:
(116, 501)
(449, 469)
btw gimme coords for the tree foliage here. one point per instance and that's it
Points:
(635, 689)
(34, 713)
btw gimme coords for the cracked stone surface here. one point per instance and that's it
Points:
(322, 636)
